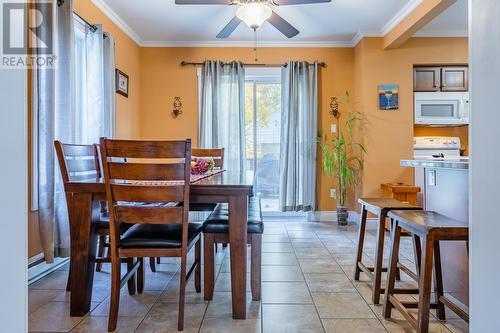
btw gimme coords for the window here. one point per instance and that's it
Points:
(262, 132)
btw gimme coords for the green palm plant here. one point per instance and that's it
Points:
(343, 156)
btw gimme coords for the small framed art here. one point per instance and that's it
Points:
(388, 97)
(121, 82)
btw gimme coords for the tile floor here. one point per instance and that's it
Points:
(306, 287)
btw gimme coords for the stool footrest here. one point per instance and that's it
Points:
(403, 306)
(408, 271)
(453, 307)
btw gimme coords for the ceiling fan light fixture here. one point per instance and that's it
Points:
(254, 13)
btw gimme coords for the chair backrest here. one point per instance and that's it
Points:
(216, 154)
(139, 190)
(77, 162)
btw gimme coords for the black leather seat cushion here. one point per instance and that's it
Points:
(158, 235)
(218, 221)
(201, 207)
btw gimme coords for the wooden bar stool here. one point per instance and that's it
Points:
(379, 207)
(431, 227)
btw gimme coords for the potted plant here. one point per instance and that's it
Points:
(343, 157)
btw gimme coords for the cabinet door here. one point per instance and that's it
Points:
(426, 78)
(454, 79)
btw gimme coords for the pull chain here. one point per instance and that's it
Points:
(255, 45)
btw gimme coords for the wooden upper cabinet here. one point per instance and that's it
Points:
(426, 78)
(454, 79)
(446, 78)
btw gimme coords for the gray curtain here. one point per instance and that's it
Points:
(55, 105)
(299, 127)
(222, 115)
(74, 103)
(109, 85)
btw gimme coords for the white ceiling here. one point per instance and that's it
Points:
(339, 23)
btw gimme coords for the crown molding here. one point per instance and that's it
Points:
(110, 13)
(298, 44)
(400, 15)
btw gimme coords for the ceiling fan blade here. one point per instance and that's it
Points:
(229, 28)
(297, 2)
(203, 2)
(282, 25)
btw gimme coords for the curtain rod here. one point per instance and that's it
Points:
(92, 27)
(187, 63)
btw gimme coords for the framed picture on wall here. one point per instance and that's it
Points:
(388, 97)
(121, 82)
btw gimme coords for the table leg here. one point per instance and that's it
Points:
(83, 253)
(238, 242)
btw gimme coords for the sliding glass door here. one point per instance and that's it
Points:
(262, 132)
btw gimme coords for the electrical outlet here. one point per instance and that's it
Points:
(333, 193)
(333, 128)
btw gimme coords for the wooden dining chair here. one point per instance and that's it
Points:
(82, 162)
(150, 191)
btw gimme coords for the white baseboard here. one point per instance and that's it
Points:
(331, 216)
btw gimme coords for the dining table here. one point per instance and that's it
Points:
(232, 188)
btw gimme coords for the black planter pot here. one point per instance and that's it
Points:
(342, 215)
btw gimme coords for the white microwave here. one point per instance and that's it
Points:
(442, 108)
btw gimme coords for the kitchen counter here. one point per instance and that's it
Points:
(438, 163)
(444, 185)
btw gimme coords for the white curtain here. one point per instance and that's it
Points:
(222, 115)
(73, 103)
(54, 104)
(299, 127)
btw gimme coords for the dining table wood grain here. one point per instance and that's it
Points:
(227, 187)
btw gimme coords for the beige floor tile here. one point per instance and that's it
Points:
(330, 283)
(288, 318)
(223, 282)
(100, 324)
(402, 326)
(281, 273)
(274, 230)
(100, 291)
(53, 317)
(312, 253)
(341, 305)
(221, 306)
(277, 247)
(320, 265)
(283, 238)
(285, 292)
(38, 298)
(457, 326)
(130, 306)
(158, 280)
(225, 267)
(279, 259)
(163, 318)
(353, 326)
(54, 281)
(301, 234)
(228, 325)
(171, 293)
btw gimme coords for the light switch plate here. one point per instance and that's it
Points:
(333, 193)
(333, 128)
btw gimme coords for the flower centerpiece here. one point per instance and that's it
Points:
(200, 166)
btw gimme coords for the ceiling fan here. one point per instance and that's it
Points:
(254, 13)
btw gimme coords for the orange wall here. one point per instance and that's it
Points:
(163, 78)
(128, 55)
(389, 135)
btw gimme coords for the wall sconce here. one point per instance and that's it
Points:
(177, 107)
(334, 107)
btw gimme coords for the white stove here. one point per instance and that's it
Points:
(437, 147)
